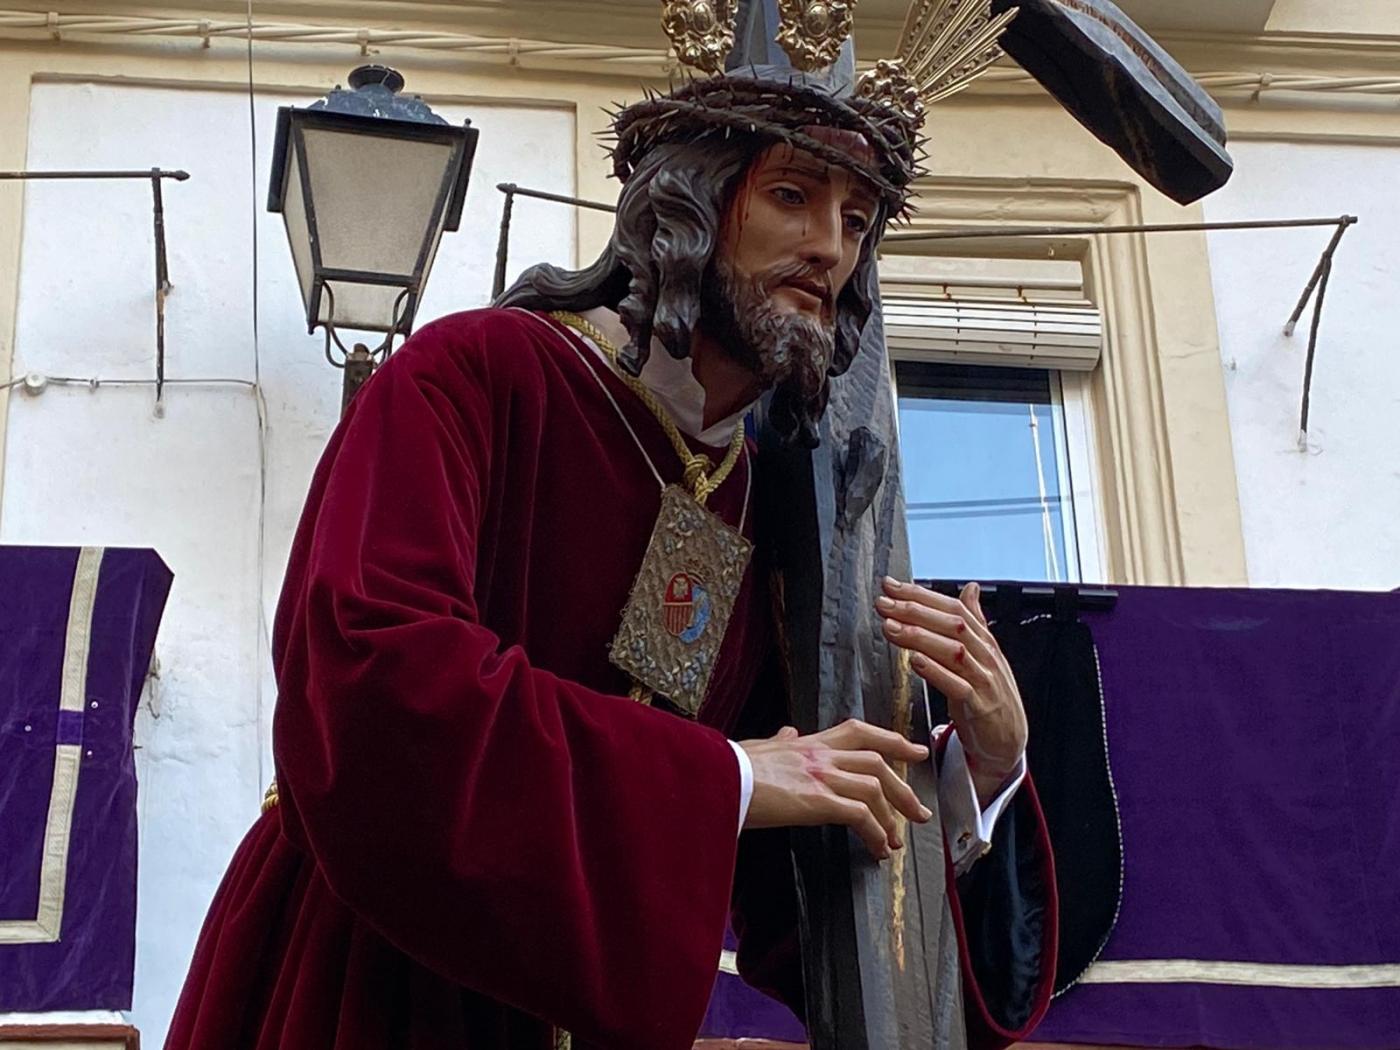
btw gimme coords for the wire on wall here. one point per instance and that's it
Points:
(39, 380)
(264, 640)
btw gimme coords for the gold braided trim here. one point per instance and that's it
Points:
(698, 476)
(270, 797)
(1245, 974)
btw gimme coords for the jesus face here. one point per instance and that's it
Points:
(796, 225)
(791, 240)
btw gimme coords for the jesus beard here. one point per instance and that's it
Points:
(788, 352)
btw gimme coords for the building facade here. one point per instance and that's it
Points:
(1172, 458)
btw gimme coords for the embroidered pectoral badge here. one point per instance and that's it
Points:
(681, 601)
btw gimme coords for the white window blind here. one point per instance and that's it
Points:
(989, 321)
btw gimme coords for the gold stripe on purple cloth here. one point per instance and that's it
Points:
(1259, 975)
(47, 923)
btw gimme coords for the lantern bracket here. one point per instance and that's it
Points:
(359, 362)
(378, 353)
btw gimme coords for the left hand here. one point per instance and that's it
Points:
(953, 649)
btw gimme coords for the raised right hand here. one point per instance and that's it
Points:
(838, 776)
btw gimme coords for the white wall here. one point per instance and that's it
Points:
(1328, 516)
(98, 467)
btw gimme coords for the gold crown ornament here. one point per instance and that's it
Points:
(944, 46)
(813, 31)
(701, 31)
(889, 84)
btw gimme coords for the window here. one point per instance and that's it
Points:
(998, 464)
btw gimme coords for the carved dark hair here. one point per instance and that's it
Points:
(669, 217)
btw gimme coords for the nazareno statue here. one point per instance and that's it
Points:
(573, 671)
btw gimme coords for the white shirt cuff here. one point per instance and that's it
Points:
(967, 827)
(745, 782)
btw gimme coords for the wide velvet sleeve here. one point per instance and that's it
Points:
(565, 852)
(1004, 910)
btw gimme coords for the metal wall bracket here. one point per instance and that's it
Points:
(1320, 276)
(163, 287)
(1318, 281)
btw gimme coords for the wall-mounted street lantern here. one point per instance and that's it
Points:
(367, 181)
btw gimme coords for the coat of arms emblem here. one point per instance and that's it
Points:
(685, 608)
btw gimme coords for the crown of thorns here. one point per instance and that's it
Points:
(782, 111)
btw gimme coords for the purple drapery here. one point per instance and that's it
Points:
(1255, 742)
(1254, 737)
(739, 1012)
(76, 634)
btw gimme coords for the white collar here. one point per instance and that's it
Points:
(670, 379)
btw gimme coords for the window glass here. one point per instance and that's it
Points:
(985, 473)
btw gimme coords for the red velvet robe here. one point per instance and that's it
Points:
(480, 836)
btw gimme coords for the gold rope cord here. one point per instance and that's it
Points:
(698, 477)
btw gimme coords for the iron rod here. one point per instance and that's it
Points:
(512, 188)
(1066, 231)
(1324, 260)
(1016, 231)
(1086, 596)
(1326, 275)
(158, 220)
(498, 284)
(162, 280)
(152, 173)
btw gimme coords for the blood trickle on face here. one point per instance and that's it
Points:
(791, 240)
(796, 226)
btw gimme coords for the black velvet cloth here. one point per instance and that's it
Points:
(1056, 668)
(1053, 659)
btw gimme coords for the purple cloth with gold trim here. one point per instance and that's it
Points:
(77, 629)
(737, 1011)
(1254, 737)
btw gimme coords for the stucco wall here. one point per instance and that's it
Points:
(1328, 516)
(98, 467)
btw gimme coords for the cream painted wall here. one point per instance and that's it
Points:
(1335, 16)
(98, 467)
(1328, 516)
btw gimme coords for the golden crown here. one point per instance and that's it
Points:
(945, 45)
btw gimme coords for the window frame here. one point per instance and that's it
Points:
(1070, 392)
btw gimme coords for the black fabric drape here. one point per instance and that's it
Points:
(1056, 668)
